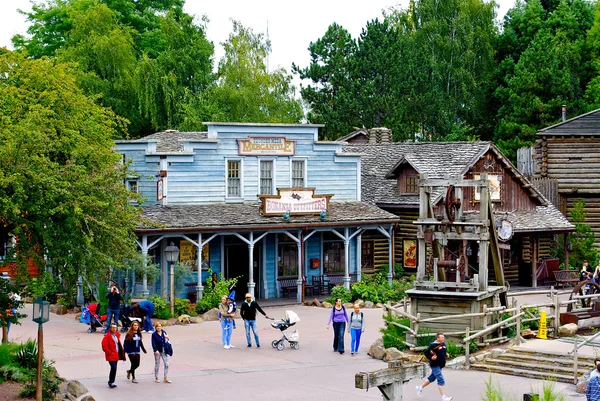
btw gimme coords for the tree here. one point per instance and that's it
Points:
(246, 91)
(61, 183)
(8, 304)
(582, 240)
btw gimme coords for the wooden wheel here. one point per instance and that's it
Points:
(577, 289)
(452, 203)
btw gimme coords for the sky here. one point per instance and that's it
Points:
(292, 25)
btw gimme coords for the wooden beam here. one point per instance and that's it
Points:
(458, 236)
(496, 256)
(365, 380)
(436, 182)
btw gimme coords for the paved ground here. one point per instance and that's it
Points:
(202, 369)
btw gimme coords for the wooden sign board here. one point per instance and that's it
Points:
(266, 146)
(296, 201)
(159, 189)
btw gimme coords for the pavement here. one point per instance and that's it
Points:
(201, 369)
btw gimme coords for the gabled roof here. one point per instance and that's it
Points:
(359, 131)
(587, 124)
(172, 141)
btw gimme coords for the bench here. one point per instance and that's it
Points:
(339, 280)
(563, 277)
(287, 284)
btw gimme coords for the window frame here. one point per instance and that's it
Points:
(284, 242)
(241, 178)
(273, 175)
(304, 172)
(333, 239)
(414, 186)
(128, 185)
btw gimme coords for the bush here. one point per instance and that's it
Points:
(27, 355)
(394, 336)
(453, 349)
(211, 297)
(376, 289)
(162, 309)
(184, 307)
(49, 384)
(7, 353)
(339, 291)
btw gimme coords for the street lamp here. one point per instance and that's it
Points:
(41, 314)
(172, 255)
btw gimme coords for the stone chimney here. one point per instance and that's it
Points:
(380, 135)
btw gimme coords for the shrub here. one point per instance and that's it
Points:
(7, 353)
(453, 349)
(376, 289)
(49, 384)
(424, 341)
(394, 336)
(213, 291)
(27, 355)
(339, 291)
(184, 307)
(162, 309)
(10, 372)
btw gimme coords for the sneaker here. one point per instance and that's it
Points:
(112, 385)
(352, 353)
(134, 381)
(249, 345)
(444, 398)
(419, 391)
(128, 374)
(144, 331)
(167, 380)
(226, 346)
(257, 345)
(231, 346)
(156, 380)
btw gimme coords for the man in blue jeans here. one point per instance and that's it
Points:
(436, 353)
(114, 306)
(248, 313)
(147, 308)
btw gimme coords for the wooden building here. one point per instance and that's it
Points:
(390, 178)
(569, 153)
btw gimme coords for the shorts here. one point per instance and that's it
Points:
(436, 374)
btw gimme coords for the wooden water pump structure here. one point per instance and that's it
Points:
(469, 292)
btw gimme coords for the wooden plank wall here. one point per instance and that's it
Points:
(406, 230)
(574, 162)
(380, 249)
(549, 188)
(592, 206)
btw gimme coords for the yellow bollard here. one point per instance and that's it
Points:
(543, 330)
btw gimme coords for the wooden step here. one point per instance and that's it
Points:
(546, 360)
(523, 373)
(566, 370)
(551, 354)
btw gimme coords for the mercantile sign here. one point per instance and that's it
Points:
(296, 201)
(266, 146)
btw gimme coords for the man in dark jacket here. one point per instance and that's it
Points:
(248, 314)
(436, 353)
(114, 305)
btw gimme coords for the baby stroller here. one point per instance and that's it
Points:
(291, 318)
(96, 320)
(126, 319)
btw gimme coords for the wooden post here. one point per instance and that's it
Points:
(484, 321)
(467, 350)
(484, 244)
(518, 325)
(390, 381)
(556, 313)
(566, 254)
(416, 327)
(576, 360)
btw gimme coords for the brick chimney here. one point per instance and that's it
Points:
(380, 135)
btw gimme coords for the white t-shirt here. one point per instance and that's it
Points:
(594, 374)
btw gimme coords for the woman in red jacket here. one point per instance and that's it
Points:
(113, 350)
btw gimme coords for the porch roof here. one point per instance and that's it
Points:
(544, 218)
(246, 216)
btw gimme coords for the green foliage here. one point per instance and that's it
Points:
(377, 289)
(8, 303)
(394, 336)
(582, 240)
(339, 291)
(184, 307)
(27, 355)
(12, 373)
(45, 285)
(424, 341)
(453, 349)
(183, 274)
(494, 392)
(214, 291)
(143, 266)
(50, 384)
(534, 324)
(162, 308)
(7, 353)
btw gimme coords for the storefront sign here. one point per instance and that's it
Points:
(266, 146)
(410, 253)
(295, 201)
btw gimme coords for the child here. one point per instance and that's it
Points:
(231, 306)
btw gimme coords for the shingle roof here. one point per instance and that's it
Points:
(436, 159)
(246, 215)
(172, 141)
(544, 218)
(587, 124)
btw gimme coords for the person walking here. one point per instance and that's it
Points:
(147, 311)
(226, 323)
(159, 338)
(114, 305)
(15, 299)
(592, 391)
(339, 317)
(248, 313)
(113, 352)
(356, 328)
(436, 354)
(132, 345)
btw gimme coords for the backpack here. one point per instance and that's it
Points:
(352, 314)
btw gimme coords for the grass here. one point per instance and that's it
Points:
(493, 392)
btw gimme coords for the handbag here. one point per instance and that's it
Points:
(168, 348)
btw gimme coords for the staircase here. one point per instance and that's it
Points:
(545, 365)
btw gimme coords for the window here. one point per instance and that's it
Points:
(412, 184)
(367, 255)
(132, 185)
(234, 180)
(287, 259)
(266, 177)
(298, 174)
(333, 254)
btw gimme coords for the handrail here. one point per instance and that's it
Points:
(492, 327)
(584, 342)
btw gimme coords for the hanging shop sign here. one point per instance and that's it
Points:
(266, 146)
(295, 201)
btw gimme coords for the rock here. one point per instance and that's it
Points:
(349, 306)
(308, 303)
(368, 304)
(393, 354)
(360, 303)
(376, 351)
(76, 389)
(316, 303)
(183, 319)
(568, 330)
(76, 309)
(326, 305)
(457, 363)
(527, 333)
(211, 315)
(581, 386)
(379, 305)
(497, 352)
(196, 319)
(27, 300)
(472, 359)
(481, 356)
(88, 398)
(59, 309)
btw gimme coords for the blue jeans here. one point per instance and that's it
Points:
(436, 374)
(355, 335)
(251, 324)
(109, 316)
(14, 312)
(226, 330)
(338, 336)
(148, 308)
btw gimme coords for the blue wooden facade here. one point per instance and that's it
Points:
(203, 187)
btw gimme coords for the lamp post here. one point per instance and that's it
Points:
(41, 314)
(172, 255)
